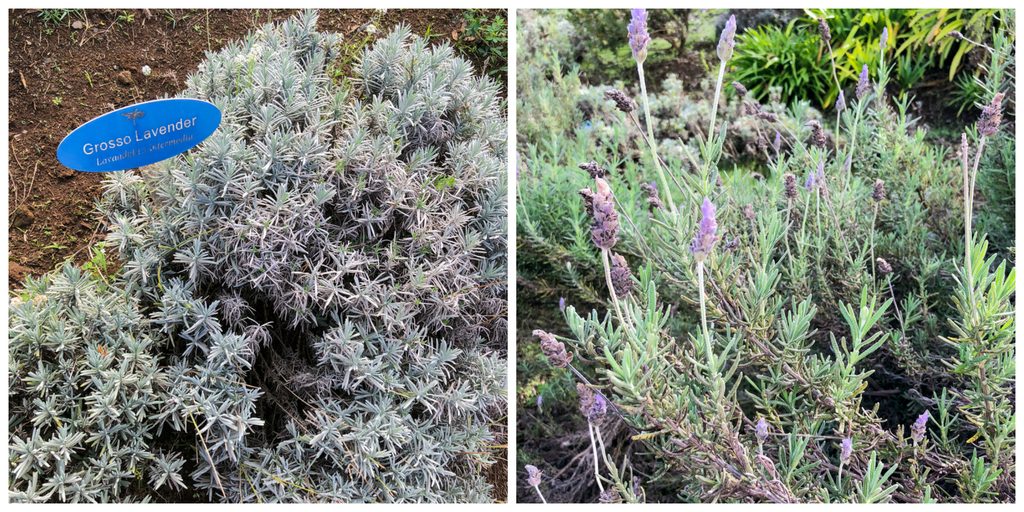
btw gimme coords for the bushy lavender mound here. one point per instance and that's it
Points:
(326, 273)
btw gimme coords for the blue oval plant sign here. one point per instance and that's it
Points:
(139, 135)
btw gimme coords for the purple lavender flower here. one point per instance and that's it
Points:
(599, 408)
(605, 229)
(727, 41)
(920, 427)
(622, 277)
(841, 102)
(777, 143)
(761, 430)
(811, 181)
(553, 349)
(540, 403)
(991, 117)
(741, 89)
(789, 186)
(823, 29)
(561, 304)
(878, 191)
(533, 475)
(884, 41)
(704, 241)
(622, 102)
(864, 83)
(638, 35)
(818, 136)
(593, 169)
(653, 199)
(845, 449)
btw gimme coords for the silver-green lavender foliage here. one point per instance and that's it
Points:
(326, 273)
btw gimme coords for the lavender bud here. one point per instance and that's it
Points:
(884, 40)
(598, 409)
(761, 430)
(878, 194)
(704, 241)
(991, 116)
(561, 304)
(884, 267)
(540, 403)
(789, 186)
(622, 277)
(956, 34)
(740, 89)
(533, 475)
(636, 486)
(727, 41)
(653, 199)
(588, 199)
(638, 36)
(553, 349)
(748, 212)
(841, 102)
(777, 143)
(920, 427)
(622, 102)
(824, 30)
(605, 229)
(845, 449)
(863, 84)
(818, 137)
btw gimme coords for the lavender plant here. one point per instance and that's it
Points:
(789, 355)
(325, 276)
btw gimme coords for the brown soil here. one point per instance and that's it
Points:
(61, 76)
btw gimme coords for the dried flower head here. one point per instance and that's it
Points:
(533, 475)
(991, 116)
(605, 229)
(553, 349)
(878, 191)
(761, 430)
(884, 267)
(650, 190)
(638, 36)
(593, 404)
(622, 277)
(595, 170)
(789, 186)
(704, 241)
(845, 449)
(824, 30)
(727, 41)
(841, 102)
(920, 427)
(741, 90)
(864, 83)
(748, 212)
(622, 102)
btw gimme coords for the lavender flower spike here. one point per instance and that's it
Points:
(991, 116)
(727, 41)
(533, 475)
(622, 277)
(841, 102)
(553, 349)
(605, 229)
(884, 41)
(864, 83)
(638, 35)
(845, 449)
(704, 241)
(761, 430)
(920, 427)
